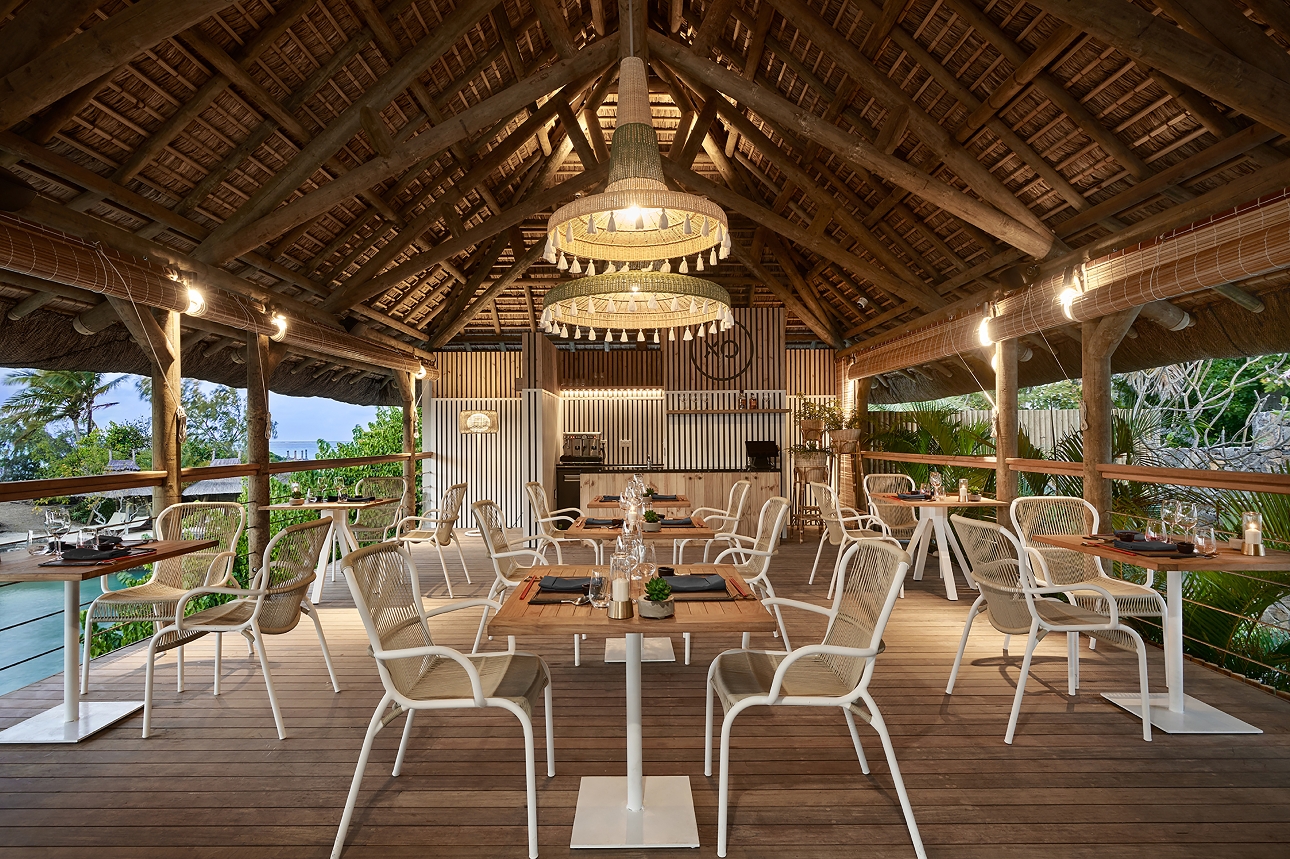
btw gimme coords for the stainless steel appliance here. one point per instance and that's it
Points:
(583, 447)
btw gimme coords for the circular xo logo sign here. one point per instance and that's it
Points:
(725, 356)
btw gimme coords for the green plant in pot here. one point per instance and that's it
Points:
(657, 602)
(652, 521)
(813, 418)
(297, 497)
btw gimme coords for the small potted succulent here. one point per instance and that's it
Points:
(657, 602)
(297, 497)
(653, 522)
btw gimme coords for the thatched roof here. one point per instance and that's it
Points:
(879, 161)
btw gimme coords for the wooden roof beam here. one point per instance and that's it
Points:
(554, 25)
(489, 297)
(1222, 25)
(822, 329)
(39, 27)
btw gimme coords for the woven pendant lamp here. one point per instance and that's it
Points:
(636, 219)
(637, 300)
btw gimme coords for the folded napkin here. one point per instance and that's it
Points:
(696, 584)
(565, 585)
(1144, 546)
(912, 496)
(658, 497)
(359, 499)
(106, 540)
(601, 523)
(687, 522)
(1129, 536)
(94, 554)
(610, 497)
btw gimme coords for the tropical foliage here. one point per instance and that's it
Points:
(55, 396)
(930, 430)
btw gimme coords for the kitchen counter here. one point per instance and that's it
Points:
(704, 487)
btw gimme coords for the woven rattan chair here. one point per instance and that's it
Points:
(1062, 514)
(155, 600)
(841, 526)
(896, 520)
(546, 519)
(752, 559)
(834, 673)
(278, 595)
(418, 675)
(507, 557)
(724, 522)
(376, 524)
(438, 527)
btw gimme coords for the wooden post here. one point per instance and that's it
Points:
(261, 360)
(863, 388)
(1099, 341)
(1005, 418)
(407, 392)
(167, 383)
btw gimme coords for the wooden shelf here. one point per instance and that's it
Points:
(729, 412)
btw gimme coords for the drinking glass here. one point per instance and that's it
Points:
(648, 561)
(1155, 531)
(37, 543)
(59, 522)
(935, 480)
(1188, 518)
(1206, 541)
(598, 589)
(340, 490)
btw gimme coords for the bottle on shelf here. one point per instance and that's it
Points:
(752, 401)
(743, 400)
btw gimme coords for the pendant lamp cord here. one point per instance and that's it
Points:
(631, 29)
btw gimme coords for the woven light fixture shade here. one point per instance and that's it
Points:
(636, 302)
(637, 219)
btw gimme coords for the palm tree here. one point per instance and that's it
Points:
(49, 396)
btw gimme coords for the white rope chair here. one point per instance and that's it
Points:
(896, 520)
(272, 605)
(376, 524)
(752, 559)
(545, 518)
(724, 522)
(439, 530)
(834, 673)
(841, 526)
(1063, 514)
(419, 675)
(507, 556)
(155, 600)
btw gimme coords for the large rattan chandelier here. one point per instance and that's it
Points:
(636, 221)
(636, 301)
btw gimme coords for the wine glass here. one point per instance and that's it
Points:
(648, 561)
(935, 480)
(1188, 518)
(59, 522)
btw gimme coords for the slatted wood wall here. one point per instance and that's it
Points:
(633, 416)
(493, 465)
(810, 371)
(541, 363)
(749, 356)
(478, 374)
(616, 369)
(717, 440)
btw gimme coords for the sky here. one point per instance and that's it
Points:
(299, 419)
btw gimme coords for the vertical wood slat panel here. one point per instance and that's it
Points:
(617, 368)
(494, 466)
(810, 371)
(717, 441)
(478, 374)
(631, 415)
(760, 329)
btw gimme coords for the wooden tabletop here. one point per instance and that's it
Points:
(947, 501)
(334, 505)
(21, 567)
(1226, 559)
(517, 617)
(699, 531)
(599, 501)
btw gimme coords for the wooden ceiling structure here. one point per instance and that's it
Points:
(380, 173)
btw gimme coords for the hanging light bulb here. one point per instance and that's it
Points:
(1067, 299)
(983, 332)
(421, 372)
(196, 303)
(280, 323)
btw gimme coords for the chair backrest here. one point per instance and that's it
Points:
(870, 575)
(999, 569)
(541, 510)
(770, 524)
(827, 501)
(1057, 514)
(384, 515)
(449, 510)
(287, 571)
(900, 520)
(492, 527)
(383, 581)
(221, 521)
(738, 501)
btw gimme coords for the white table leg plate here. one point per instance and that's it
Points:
(655, 650)
(1197, 716)
(51, 726)
(666, 820)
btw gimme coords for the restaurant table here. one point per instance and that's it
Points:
(77, 719)
(680, 503)
(579, 530)
(1175, 712)
(635, 810)
(337, 532)
(933, 519)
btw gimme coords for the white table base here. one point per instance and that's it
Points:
(934, 521)
(52, 726)
(1197, 717)
(666, 820)
(634, 811)
(654, 650)
(338, 534)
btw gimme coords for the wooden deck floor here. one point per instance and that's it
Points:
(1079, 782)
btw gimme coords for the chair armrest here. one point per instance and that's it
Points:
(738, 550)
(717, 510)
(476, 688)
(199, 592)
(814, 650)
(1113, 619)
(557, 519)
(227, 558)
(461, 604)
(516, 553)
(788, 603)
(568, 510)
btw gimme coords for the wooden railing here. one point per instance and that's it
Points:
(26, 490)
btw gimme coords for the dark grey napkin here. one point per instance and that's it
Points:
(677, 523)
(1144, 546)
(696, 584)
(565, 585)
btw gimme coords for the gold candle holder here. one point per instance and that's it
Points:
(621, 609)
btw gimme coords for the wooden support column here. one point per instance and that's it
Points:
(863, 388)
(1100, 337)
(262, 359)
(408, 394)
(1005, 419)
